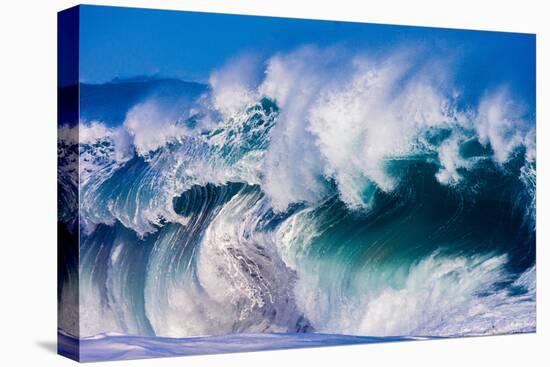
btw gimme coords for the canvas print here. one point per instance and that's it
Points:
(235, 183)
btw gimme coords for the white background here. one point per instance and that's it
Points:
(28, 182)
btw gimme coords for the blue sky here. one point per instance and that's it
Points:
(128, 42)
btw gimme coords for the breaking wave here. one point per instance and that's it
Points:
(335, 195)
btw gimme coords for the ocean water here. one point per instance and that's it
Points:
(309, 209)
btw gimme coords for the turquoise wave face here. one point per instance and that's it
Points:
(371, 206)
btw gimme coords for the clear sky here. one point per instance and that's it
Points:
(127, 42)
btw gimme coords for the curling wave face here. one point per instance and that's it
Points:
(335, 195)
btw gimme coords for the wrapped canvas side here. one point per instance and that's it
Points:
(67, 184)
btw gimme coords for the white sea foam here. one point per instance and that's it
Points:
(152, 126)
(343, 118)
(95, 132)
(240, 284)
(446, 297)
(293, 166)
(437, 296)
(451, 160)
(499, 123)
(234, 85)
